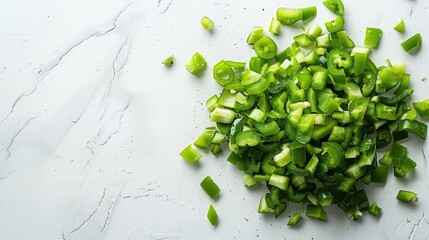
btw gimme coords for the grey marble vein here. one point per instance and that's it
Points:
(86, 221)
(95, 142)
(7, 175)
(164, 5)
(117, 70)
(12, 140)
(109, 213)
(121, 114)
(416, 226)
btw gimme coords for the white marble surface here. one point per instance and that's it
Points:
(91, 123)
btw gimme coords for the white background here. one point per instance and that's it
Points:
(91, 123)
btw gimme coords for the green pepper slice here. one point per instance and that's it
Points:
(338, 61)
(265, 48)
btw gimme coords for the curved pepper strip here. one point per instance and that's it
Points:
(397, 98)
(333, 155)
(416, 127)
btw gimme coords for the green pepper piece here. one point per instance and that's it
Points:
(168, 61)
(412, 44)
(258, 87)
(399, 135)
(196, 64)
(345, 40)
(416, 127)
(346, 184)
(289, 16)
(383, 111)
(216, 149)
(265, 48)
(383, 137)
(294, 219)
(379, 174)
(279, 181)
(248, 138)
(327, 104)
(235, 65)
(236, 160)
(369, 79)
(309, 13)
(403, 83)
(224, 128)
(314, 31)
(338, 134)
(311, 98)
(358, 108)
(190, 154)
(296, 171)
(293, 196)
(227, 99)
(397, 153)
(303, 40)
(406, 196)
(248, 179)
(335, 6)
(305, 128)
(283, 158)
(205, 138)
(422, 108)
(372, 37)
(206, 23)
(322, 131)
(304, 80)
(275, 26)
(338, 61)
(248, 103)
(324, 197)
(332, 155)
(397, 98)
(352, 152)
(268, 129)
(326, 41)
(354, 171)
(386, 80)
(361, 200)
(223, 74)
(375, 210)
(316, 212)
(319, 80)
(255, 34)
(335, 25)
(312, 164)
(400, 27)
(211, 103)
(222, 115)
(210, 187)
(407, 165)
(212, 215)
(352, 90)
(298, 152)
(256, 64)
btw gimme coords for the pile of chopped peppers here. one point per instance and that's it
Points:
(306, 120)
